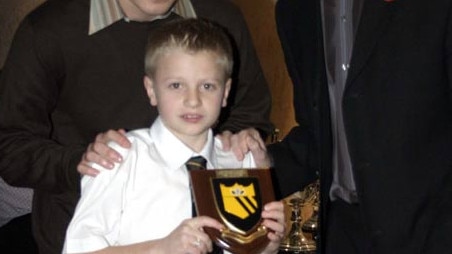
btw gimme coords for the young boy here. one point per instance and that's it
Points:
(144, 204)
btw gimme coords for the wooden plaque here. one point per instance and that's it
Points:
(234, 197)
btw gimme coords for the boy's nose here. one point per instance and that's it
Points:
(193, 98)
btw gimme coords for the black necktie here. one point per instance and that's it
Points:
(197, 162)
(194, 163)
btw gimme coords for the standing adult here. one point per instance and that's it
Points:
(372, 86)
(75, 69)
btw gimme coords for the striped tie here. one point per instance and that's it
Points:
(197, 162)
(194, 163)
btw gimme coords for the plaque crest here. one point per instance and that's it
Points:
(238, 202)
(234, 197)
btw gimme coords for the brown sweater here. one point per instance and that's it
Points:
(60, 87)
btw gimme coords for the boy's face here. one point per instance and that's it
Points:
(189, 90)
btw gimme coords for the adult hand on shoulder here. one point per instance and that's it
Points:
(248, 140)
(189, 237)
(101, 154)
(274, 219)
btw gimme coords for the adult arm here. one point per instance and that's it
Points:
(28, 95)
(293, 162)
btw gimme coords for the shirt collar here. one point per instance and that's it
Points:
(106, 12)
(173, 151)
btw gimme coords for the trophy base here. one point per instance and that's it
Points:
(302, 249)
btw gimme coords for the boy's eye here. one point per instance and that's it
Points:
(175, 85)
(208, 86)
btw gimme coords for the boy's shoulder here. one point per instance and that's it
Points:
(138, 138)
(142, 134)
(227, 159)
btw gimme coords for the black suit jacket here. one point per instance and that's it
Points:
(397, 108)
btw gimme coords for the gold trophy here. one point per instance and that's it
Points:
(296, 240)
(312, 196)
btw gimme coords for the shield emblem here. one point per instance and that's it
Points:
(238, 201)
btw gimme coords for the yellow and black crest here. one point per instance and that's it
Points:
(238, 201)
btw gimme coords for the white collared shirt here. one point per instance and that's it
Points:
(146, 196)
(106, 12)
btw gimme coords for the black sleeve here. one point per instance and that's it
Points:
(294, 162)
(28, 94)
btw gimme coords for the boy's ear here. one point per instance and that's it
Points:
(227, 88)
(149, 86)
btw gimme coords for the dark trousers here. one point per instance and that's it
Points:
(345, 231)
(16, 236)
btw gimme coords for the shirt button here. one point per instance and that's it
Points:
(345, 67)
(344, 18)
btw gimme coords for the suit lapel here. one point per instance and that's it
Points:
(375, 17)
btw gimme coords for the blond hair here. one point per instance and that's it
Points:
(191, 35)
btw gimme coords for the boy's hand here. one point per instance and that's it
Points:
(248, 140)
(189, 237)
(100, 153)
(274, 219)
